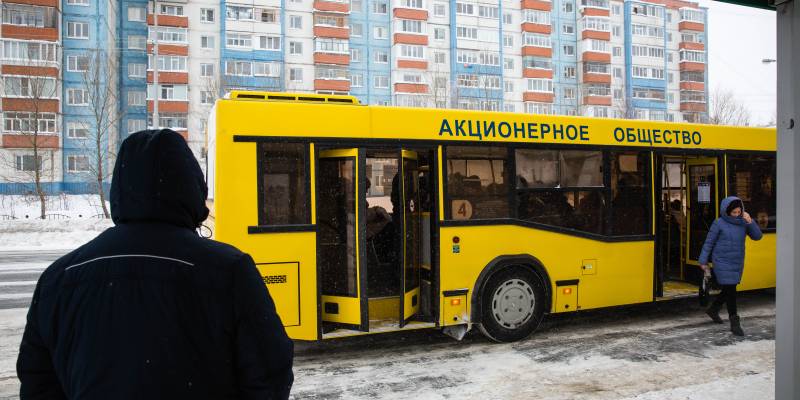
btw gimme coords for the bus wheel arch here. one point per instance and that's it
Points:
(523, 274)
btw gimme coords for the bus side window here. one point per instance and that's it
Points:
(630, 194)
(477, 182)
(283, 192)
(752, 179)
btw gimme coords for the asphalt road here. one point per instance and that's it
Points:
(19, 272)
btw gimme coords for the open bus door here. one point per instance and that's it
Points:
(703, 200)
(341, 208)
(412, 232)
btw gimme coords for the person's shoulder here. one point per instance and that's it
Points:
(210, 251)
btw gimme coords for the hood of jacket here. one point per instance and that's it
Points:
(723, 207)
(157, 179)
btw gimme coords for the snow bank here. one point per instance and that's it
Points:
(72, 220)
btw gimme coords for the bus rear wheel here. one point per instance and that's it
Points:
(512, 304)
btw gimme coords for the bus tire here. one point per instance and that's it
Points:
(512, 304)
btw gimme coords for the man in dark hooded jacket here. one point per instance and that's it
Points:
(148, 309)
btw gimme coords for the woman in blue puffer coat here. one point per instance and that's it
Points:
(725, 246)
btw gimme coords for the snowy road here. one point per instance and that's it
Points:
(654, 351)
(19, 271)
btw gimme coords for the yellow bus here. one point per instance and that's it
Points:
(366, 219)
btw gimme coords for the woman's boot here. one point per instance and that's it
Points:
(736, 328)
(713, 312)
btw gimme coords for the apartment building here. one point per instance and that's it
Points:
(642, 59)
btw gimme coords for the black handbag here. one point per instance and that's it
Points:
(707, 284)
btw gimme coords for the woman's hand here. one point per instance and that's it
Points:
(747, 217)
(706, 270)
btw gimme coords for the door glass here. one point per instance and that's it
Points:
(336, 219)
(412, 222)
(702, 209)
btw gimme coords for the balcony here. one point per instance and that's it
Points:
(596, 57)
(410, 13)
(691, 26)
(169, 20)
(537, 51)
(169, 77)
(539, 5)
(691, 46)
(536, 28)
(321, 57)
(410, 38)
(29, 32)
(693, 106)
(692, 66)
(7, 69)
(537, 73)
(170, 49)
(27, 141)
(335, 32)
(339, 85)
(332, 6)
(23, 104)
(169, 106)
(589, 77)
(539, 97)
(695, 86)
(412, 64)
(592, 100)
(592, 34)
(418, 88)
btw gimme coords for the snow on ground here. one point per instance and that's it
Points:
(72, 221)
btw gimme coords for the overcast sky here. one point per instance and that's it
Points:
(739, 38)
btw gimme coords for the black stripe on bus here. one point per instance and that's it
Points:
(281, 228)
(457, 292)
(556, 229)
(568, 282)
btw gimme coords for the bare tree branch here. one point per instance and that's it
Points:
(725, 109)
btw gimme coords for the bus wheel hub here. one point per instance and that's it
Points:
(513, 303)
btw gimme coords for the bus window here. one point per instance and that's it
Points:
(630, 196)
(561, 188)
(752, 179)
(283, 195)
(477, 183)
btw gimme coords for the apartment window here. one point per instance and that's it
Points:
(238, 68)
(411, 78)
(296, 74)
(379, 7)
(332, 46)
(540, 85)
(671, 98)
(356, 30)
(465, 32)
(77, 130)
(539, 108)
(269, 16)
(356, 80)
(508, 18)
(137, 14)
(569, 50)
(692, 56)
(23, 122)
(206, 15)
(356, 6)
(136, 70)
(77, 97)
(597, 90)
(616, 31)
(618, 72)
(410, 26)
(688, 14)
(595, 68)
(271, 69)
(78, 2)
(439, 34)
(567, 7)
(239, 13)
(439, 10)
(569, 93)
(617, 93)
(295, 22)
(380, 32)
(77, 63)
(537, 17)
(169, 63)
(488, 12)
(243, 40)
(508, 86)
(206, 97)
(532, 39)
(28, 51)
(465, 9)
(617, 51)
(491, 82)
(168, 9)
(536, 62)
(569, 72)
(77, 30)
(206, 70)
(26, 163)
(296, 48)
(568, 29)
(508, 63)
(272, 43)
(16, 86)
(439, 57)
(207, 42)
(616, 9)
(381, 56)
(355, 55)
(508, 41)
(77, 164)
(136, 125)
(381, 82)
(172, 92)
(411, 51)
(412, 3)
(136, 98)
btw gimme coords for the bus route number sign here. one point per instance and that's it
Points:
(462, 209)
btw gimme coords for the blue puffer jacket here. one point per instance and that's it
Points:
(725, 244)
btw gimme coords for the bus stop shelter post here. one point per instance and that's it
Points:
(787, 335)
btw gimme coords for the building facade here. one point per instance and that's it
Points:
(603, 58)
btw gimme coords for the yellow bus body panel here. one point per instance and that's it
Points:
(623, 273)
(759, 263)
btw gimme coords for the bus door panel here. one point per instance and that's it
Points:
(412, 232)
(341, 208)
(703, 204)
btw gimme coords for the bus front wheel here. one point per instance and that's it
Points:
(512, 304)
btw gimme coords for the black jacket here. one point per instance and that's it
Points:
(148, 309)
